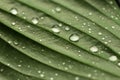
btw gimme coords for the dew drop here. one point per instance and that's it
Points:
(13, 23)
(99, 33)
(58, 9)
(90, 13)
(39, 71)
(56, 74)
(94, 49)
(15, 43)
(55, 29)
(34, 20)
(14, 11)
(89, 75)
(67, 28)
(74, 37)
(76, 78)
(118, 64)
(1, 70)
(113, 58)
(19, 65)
(42, 75)
(51, 78)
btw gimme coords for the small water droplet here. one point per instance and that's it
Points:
(23, 47)
(55, 29)
(67, 28)
(118, 64)
(19, 65)
(76, 78)
(89, 75)
(113, 58)
(13, 23)
(58, 9)
(9, 42)
(94, 49)
(90, 13)
(1, 70)
(99, 33)
(42, 75)
(56, 74)
(113, 27)
(74, 37)
(14, 11)
(51, 78)
(60, 24)
(39, 71)
(15, 43)
(34, 20)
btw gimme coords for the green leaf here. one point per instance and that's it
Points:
(53, 40)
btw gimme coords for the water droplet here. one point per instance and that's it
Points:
(113, 58)
(89, 75)
(55, 29)
(23, 47)
(90, 13)
(56, 74)
(94, 49)
(34, 20)
(15, 43)
(60, 24)
(9, 42)
(42, 75)
(74, 37)
(58, 9)
(76, 78)
(118, 64)
(67, 28)
(66, 68)
(14, 11)
(19, 65)
(51, 78)
(113, 27)
(99, 33)
(39, 71)
(1, 70)
(13, 23)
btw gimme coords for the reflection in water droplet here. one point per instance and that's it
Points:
(34, 20)
(74, 37)
(55, 29)
(14, 11)
(113, 58)
(94, 49)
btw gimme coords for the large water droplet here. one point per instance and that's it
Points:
(113, 58)
(74, 37)
(55, 29)
(94, 49)
(14, 11)
(34, 20)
